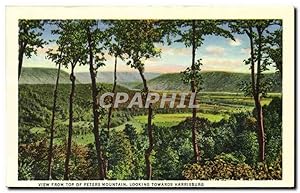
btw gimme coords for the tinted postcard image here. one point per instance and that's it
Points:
(150, 102)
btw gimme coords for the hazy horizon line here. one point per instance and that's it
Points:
(241, 72)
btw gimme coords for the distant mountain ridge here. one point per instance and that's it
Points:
(108, 77)
(48, 76)
(215, 81)
(42, 76)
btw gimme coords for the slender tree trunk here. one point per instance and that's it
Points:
(149, 129)
(255, 82)
(113, 99)
(93, 74)
(279, 67)
(50, 153)
(69, 143)
(111, 108)
(22, 46)
(261, 132)
(260, 121)
(151, 145)
(193, 89)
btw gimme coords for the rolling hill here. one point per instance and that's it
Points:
(212, 81)
(48, 76)
(42, 76)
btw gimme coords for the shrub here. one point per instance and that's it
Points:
(121, 162)
(273, 129)
(246, 144)
(226, 167)
(32, 161)
(218, 169)
(166, 162)
(138, 144)
(272, 171)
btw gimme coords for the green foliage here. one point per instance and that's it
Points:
(119, 117)
(247, 145)
(171, 164)
(273, 125)
(202, 28)
(193, 75)
(30, 36)
(135, 40)
(121, 166)
(167, 162)
(243, 121)
(222, 168)
(235, 136)
(172, 152)
(257, 32)
(223, 139)
(35, 110)
(138, 146)
(71, 44)
(243, 136)
(234, 158)
(192, 34)
(32, 109)
(274, 47)
(212, 138)
(92, 163)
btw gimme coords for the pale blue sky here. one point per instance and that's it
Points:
(217, 53)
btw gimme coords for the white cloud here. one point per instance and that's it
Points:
(175, 51)
(224, 64)
(43, 51)
(237, 42)
(245, 51)
(222, 61)
(215, 50)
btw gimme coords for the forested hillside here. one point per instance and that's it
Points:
(212, 82)
(48, 76)
(42, 76)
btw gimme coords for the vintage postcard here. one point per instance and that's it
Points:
(150, 97)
